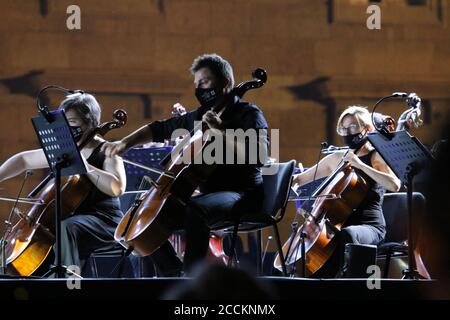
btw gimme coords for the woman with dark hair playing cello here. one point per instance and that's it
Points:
(93, 223)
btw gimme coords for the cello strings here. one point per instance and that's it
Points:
(296, 218)
(13, 209)
(158, 171)
(297, 245)
(21, 200)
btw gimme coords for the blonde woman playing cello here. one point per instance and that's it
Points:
(366, 225)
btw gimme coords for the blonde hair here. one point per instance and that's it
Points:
(361, 114)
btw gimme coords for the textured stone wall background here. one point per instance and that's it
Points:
(136, 54)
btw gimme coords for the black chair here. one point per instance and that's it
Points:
(276, 191)
(395, 212)
(114, 261)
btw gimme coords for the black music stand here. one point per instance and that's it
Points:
(409, 159)
(64, 159)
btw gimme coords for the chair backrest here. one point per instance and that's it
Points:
(277, 187)
(395, 210)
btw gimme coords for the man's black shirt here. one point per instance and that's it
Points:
(239, 115)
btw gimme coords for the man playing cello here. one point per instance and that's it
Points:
(232, 189)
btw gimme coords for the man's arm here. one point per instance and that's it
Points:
(155, 131)
(139, 137)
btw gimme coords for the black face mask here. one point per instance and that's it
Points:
(77, 133)
(207, 97)
(355, 141)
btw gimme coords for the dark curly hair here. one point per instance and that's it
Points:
(220, 67)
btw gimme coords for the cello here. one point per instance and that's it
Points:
(31, 239)
(216, 250)
(154, 217)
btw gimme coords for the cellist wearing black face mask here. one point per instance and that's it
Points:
(93, 223)
(366, 225)
(233, 188)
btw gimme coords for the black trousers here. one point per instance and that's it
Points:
(357, 234)
(81, 234)
(202, 212)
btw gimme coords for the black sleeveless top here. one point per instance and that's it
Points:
(98, 203)
(370, 211)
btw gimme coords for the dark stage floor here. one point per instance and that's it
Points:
(155, 288)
